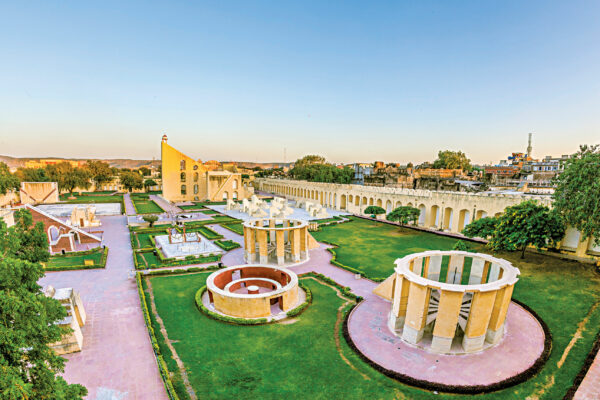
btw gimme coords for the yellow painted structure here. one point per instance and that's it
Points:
(229, 294)
(186, 179)
(277, 241)
(426, 302)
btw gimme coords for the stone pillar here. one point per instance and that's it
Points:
(486, 269)
(295, 241)
(482, 304)
(272, 232)
(416, 313)
(262, 246)
(303, 242)
(446, 321)
(496, 327)
(251, 249)
(280, 247)
(286, 233)
(399, 303)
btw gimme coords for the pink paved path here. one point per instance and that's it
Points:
(590, 387)
(117, 361)
(521, 346)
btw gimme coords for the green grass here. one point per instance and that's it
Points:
(194, 207)
(227, 244)
(146, 206)
(75, 260)
(237, 227)
(560, 291)
(372, 247)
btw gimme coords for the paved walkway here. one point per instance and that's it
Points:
(590, 386)
(165, 205)
(117, 361)
(129, 208)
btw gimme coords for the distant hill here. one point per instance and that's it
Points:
(14, 162)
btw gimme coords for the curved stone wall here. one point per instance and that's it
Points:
(450, 295)
(252, 291)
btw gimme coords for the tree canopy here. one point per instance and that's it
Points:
(483, 228)
(148, 183)
(314, 168)
(374, 210)
(151, 219)
(131, 180)
(8, 181)
(452, 160)
(404, 215)
(100, 172)
(68, 177)
(29, 368)
(521, 225)
(577, 193)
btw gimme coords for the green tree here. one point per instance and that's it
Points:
(309, 160)
(145, 171)
(32, 175)
(374, 210)
(577, 193)
(148, 183)
(68, 177)
(404, 215)
(525, 224)
(8, 181)
(29, 368)
(131, 180)
(461, 246)
(100, 172)
(151, 219)
(483, 228)
(452, 160)
(31, 240)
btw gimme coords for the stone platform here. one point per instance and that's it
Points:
(521, 346)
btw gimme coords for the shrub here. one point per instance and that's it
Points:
(224, 318)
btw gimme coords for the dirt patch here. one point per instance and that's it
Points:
(288, 321)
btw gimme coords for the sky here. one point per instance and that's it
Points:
(353, 81)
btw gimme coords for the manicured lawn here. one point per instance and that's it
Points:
(227, 244)
(298, 360)
(143, 205)
(372, 247)
(70, 261)
(237, 228)
(562, 292)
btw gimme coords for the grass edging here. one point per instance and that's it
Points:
(162, 366)
(460, 389)
(338, 264)
(344, 289)
(227, 244)
(242, 321)
(83, 266)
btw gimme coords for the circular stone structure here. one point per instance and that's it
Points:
(276, 241)
(449, 295)
(451, 325)
(252, 291)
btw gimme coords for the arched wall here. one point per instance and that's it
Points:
(478, 205)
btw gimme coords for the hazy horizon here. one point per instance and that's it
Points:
(388, 81)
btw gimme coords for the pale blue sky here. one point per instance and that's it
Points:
(353, 81)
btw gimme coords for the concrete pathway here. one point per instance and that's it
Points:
(590, 386)
(117, 361)
(129, 208)
(165, 205)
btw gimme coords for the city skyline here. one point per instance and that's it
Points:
(390, 82)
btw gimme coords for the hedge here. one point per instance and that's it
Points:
(300, 309)
(460, 389)
(345, 290)
(241, 321)
(162, 366)
(171, 262)
(227, 244)
(234, 227)
(83, 266)
(184, 271)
